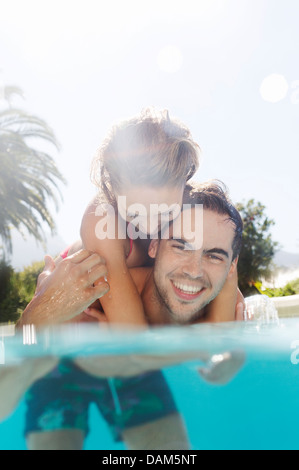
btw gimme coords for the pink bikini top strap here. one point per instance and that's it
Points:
(130, 234)
(65, 253)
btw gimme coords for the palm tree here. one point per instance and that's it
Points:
(29, 177)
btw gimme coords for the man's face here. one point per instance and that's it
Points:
(187, 278)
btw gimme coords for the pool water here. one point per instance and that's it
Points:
(257, 409)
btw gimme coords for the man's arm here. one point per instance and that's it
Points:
(63, 292)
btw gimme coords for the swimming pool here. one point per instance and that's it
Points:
(257, 409)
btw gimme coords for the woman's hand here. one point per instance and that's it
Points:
(240, 306)
(229, 305)
(65, 290)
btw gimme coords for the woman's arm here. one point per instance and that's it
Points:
(123, 304)
(63, 292)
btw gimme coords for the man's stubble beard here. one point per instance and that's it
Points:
(179, 317)
(176, 316)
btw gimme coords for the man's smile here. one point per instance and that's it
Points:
(187, 291)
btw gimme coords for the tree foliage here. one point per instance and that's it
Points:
(29, 178)
(291, 288)
(258, 248)
(16, 290)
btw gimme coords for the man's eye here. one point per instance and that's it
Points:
(179, 246)
(215, 258)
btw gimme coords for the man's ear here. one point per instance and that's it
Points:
(153, 248)
(233, 268)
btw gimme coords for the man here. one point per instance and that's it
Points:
(68, 289)
(178, 290)
(186, 278)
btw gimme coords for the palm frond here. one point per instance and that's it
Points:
(29, 177)
(10, 91)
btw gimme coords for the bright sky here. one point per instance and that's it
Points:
(229, 69)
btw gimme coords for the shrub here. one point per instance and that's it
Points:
(291, 288)
(16, 290)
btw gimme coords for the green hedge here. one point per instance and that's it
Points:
(291, 288)
(16, 290)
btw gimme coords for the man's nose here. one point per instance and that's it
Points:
(194, 266)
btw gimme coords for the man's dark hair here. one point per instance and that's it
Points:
(213, 195)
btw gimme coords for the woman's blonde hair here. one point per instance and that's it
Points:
(147, 150)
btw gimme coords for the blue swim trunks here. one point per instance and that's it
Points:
(61, 399)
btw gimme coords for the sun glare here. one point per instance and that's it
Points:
(274, 88)
(170, 59)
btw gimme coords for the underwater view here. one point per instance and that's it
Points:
(221, 386)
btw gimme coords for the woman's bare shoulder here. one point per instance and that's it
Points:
(100, 230)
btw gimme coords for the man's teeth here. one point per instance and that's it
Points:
(186, 288)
